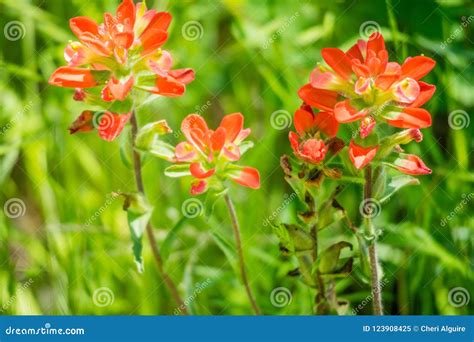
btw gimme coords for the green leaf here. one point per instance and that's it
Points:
(329, 262)
(162, 150)
(147, 134)
(179, 170)
(212, 197)
(227, 248)
(396, 184)
(171, 237)
(138, 215)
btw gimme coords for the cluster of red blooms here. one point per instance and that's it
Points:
(208, 154)
(124, 53)
(362, 85)
(112, 58)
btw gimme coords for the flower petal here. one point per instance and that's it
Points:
(344, 112)
(81, 25)
(327, 123)
(319, 98)
(246, 176)
(426, 92)
(417, 67)
(338, 61)
(218, 139)
(198, 170)
(303, 120)
(184, 76)
(152, 40)
(375, 43)
(73, 78)
(168, 86)
(360, 156)
(185, 152)
(411, 165)
(83, 123)
(233, 124)
(111, 125)
(126, 13)
(409, 118)
(198, 187)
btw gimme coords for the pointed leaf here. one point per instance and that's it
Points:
(212, 197)
(148, 133)
(179, 170)
(398, 183)
(329, 262)
(138, 215)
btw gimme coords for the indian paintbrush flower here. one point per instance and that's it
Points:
(362, 85)
(113, 58)
(209, 155)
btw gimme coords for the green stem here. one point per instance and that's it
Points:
(137, 167)
(243, 272)
(320, 298)
(374, 263)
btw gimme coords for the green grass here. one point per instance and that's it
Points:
(252, 58)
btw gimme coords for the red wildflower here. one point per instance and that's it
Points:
(120, 54)
(207, 155)
(371, 86)
(307, 143)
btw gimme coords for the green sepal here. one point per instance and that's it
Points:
(147, 135)
(178, 170)
(212, 196)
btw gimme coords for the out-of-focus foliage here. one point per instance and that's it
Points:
(249, 56)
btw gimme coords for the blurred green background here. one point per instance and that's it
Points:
(71, 240)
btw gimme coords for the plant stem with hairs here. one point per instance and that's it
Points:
(137, 167)
(374, 263)
(243, 272)
(320, 298)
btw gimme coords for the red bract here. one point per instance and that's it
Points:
(411, 164)
(208, 155)
(361, 83)
(360, 156)
(120, 54)
(307, 143)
